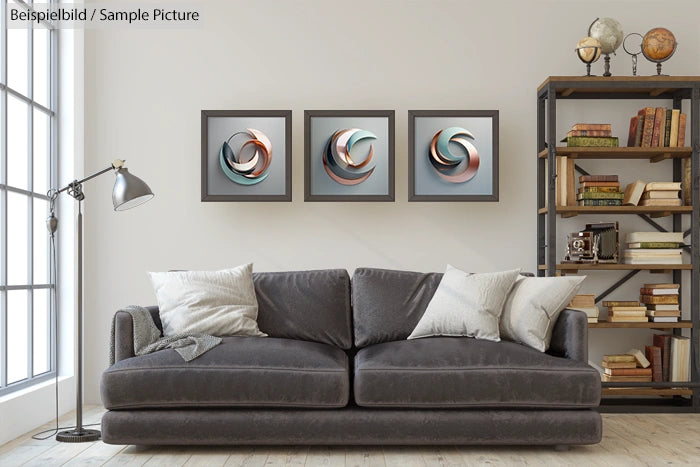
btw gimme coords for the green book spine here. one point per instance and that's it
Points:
(594, 195)
(656, 245)
(600, 202)
(667, 133)
(600, 189)
(590, 141)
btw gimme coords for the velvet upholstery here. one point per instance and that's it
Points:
(456, 372)
(570, 336)
(388, 304)
(306, 305)
(240, 372)
(351, 426)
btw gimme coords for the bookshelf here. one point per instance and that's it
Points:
(619, 397)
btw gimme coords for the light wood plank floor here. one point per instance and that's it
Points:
(633, 440)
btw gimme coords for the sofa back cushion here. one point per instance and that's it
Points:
(306, 305)
(388, 304)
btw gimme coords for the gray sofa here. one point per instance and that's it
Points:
(337, 369)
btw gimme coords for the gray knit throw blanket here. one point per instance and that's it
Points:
(147, 337)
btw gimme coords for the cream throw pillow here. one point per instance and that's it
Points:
(466, 305)
(533, 307)
(220, 303)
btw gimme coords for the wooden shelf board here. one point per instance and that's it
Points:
(644, 85)
(646, 391)
(617, 267)
(647, 325)
(655, 211)
(653, 154)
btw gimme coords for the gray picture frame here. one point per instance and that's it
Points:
(387, 159)
(450, 193)
(283, 193)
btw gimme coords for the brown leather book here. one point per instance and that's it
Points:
(681, 130)
(597, 133)
(598, 178)
(592, 126)
(634, 122)
(618, 364)
(663, 341)
(629, 371)
(599, 184)
(648, 131)
(659, 124)
(653, 354)
(665, 299)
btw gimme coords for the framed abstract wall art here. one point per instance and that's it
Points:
(453, 155)
(349, 155)
(246, 155)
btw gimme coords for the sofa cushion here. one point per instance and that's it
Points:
(240, 372)
(387, 304)
(459, 372)
(306, 305)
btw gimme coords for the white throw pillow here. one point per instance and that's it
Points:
(533, 307)
(220, 303)
(466, 305)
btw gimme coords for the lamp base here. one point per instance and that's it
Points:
(78, 436)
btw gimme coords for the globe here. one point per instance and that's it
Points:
(588, 49)
(658, 44)
(609, 32)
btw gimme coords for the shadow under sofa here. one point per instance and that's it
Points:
(337, 369)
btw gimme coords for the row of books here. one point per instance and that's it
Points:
(599, 190)
(639, 193)
(668, 359)
(661, 301)
(591, 135)
(653, 248)
(657, 127)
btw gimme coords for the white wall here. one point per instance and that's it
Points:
(145, 89)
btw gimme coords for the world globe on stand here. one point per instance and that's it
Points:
(609, 32)
(588, 51)
(658, 44)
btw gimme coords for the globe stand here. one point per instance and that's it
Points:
(607, 66)
(587, 58)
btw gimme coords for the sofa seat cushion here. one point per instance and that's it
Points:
(240, 372)
(461, 372)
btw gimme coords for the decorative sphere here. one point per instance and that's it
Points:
(658, 44)
(588, 49)
(609, 32)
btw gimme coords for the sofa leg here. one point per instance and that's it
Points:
(561, 447)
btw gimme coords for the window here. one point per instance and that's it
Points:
(27, 171)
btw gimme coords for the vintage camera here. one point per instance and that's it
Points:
(597, 243)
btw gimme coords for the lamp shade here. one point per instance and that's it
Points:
(129, 191)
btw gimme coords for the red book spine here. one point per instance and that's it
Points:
(659, 122)
(681, 130)
(648, 126)
(634, 121)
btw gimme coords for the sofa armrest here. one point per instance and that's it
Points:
(570, 336)
(124, 333)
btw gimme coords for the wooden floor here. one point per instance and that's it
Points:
(627, 440)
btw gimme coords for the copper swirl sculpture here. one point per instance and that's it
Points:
(338, 162)
(252, 170)
(450, 167)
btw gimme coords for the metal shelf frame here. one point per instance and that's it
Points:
(677, 89)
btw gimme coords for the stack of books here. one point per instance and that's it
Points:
(626, 311)
(657, 127)
(661, 194)
(631, 367)
(585, 303)
(653, 248)
(591, 135)
(661, 301)
(599, 190)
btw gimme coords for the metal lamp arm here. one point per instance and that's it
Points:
(74, 188)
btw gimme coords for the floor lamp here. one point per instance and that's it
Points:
(129, 191)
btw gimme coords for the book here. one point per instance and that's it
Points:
(632, 136)
(662, 285)
(619, 358)
(639, 356)
(610, 303)
(652, 252)
(680, 359)
(661, 307)
(614, 365)
(653, 245)
(686, 184)
(651, 186)
(661, 194)
(600, 202)
(598, 178)
(653, 354)
(582, 300)
(628, 371)
(590, 184)
(627, 308)
(599, 189)
(570, 181)
(677, 259)
(650, 291)
(607, 133)
(660, 202)
(600, 195)
(627, 319)
(626, 379)
(591, 141)
(592, 319)
(667, 129)
(659, 123)
(592, 126)
(663, 319)
(591, 311)
(681, 130)
(640, 129)
(663, 341)
(664, 313)
(633, 193)
(648, 130)
(676, 237)
(675, 116)
(656, 299)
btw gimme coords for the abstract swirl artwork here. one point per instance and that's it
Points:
(338, 161)
(247, 170)
(454, 168)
